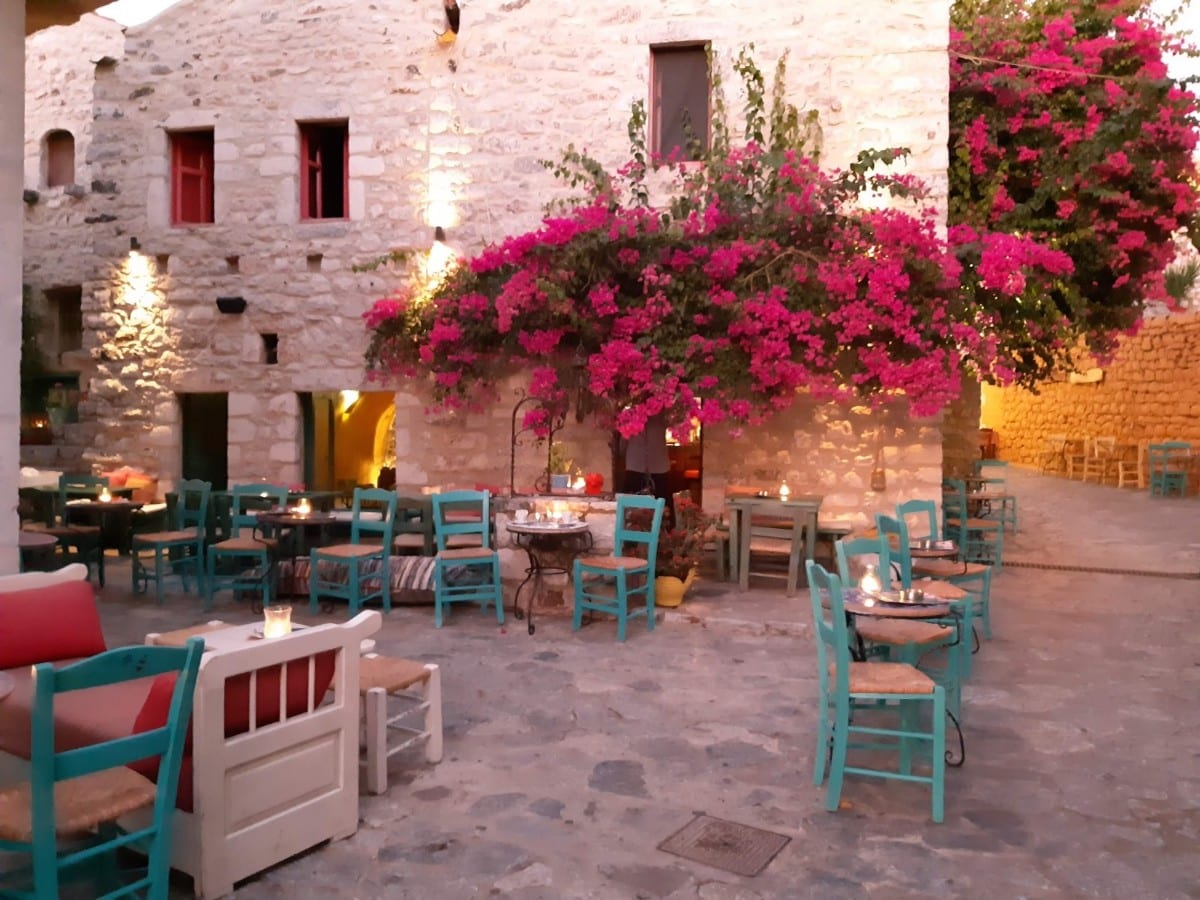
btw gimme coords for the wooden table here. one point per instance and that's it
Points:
(35, 547)
(801, 510)
(102, 509)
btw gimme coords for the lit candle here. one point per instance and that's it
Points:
(870, 583)
(303, 508)
(277, 621)
(784, 491)
(105, 496)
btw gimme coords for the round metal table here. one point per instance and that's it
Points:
(551, 548)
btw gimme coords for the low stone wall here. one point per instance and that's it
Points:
(1150, 390)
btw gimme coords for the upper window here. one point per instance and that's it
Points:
(60, 159)
(679, 102)
(191, 177)
(324, 185)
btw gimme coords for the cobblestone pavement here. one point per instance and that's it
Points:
(570, 757)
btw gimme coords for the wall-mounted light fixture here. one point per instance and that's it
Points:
(349, 398)
(232, 305)
(134, 245)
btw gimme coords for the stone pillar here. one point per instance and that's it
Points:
(12, 165)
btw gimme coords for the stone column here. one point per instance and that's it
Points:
(12, 164)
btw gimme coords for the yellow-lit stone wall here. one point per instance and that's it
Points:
(1150, 391)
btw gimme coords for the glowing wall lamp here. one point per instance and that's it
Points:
(349, 399)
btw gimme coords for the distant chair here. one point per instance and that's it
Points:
(850, 691)
(79, 542)
(249, 556)
(79, 794)
(178, 550)
(607, 583)
(1133, 471)
(1101, 461)
(338, 570)
(414, 527)
(1076, 455)
(466, 567)
(1053, 456)
(1168, 473)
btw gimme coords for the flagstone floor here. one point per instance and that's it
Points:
(570, 757)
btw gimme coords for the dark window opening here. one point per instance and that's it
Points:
(679, 103)
(191, 177)
(270, 349)
(66, 310)
(60, 159)
(324, 184)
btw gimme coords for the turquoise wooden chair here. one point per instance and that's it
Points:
(902, 640)
(894, 542)
(359, 571)
(846, 687)
(414, 527)
(79, 542)
(627, 575)
(1167, 475)
(245, 561)
(466, 567)
(180, 549)
(82, 792)
(979, 539)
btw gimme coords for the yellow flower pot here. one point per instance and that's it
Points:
(669, 590)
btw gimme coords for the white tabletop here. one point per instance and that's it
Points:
(548, 527)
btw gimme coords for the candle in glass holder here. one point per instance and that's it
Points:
(303, 508)
(277, 621)
(784, 491)
(870, 583)
(105, 496)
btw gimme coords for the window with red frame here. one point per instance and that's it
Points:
(679, 101)
(191, 177)
(324, 164)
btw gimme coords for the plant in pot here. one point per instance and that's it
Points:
(680, 551)
(560, 466)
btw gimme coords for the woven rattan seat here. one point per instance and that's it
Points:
(466, 553)
(151, 536)
(888, 678)
(946, 568)
(242, 542)
(389, 673)
(350, 551)
(901, 631)
(80, 804)
(613, 562)
(409, 541)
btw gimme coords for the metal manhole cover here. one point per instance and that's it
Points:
(722, 844)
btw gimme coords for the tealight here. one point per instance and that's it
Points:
(277, 621)
(105, 496)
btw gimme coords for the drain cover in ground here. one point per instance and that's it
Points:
(726, 845)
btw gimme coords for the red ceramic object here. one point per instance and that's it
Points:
(593, 483)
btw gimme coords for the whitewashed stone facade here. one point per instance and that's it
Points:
(439, 135)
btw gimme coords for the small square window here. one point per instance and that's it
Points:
(191, 177)
(324, 166)
(679, 102)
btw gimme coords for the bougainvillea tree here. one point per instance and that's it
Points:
(761, 277)
(1067, 135)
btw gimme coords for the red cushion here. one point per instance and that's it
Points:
(157, 707)
(48, 624)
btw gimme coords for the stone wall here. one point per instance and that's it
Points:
(445, 135)
(1150, 391)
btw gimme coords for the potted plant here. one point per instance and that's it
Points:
(560, 466)
(680, 551)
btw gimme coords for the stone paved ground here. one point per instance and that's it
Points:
(569, 757)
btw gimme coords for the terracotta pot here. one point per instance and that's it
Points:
(669, 590)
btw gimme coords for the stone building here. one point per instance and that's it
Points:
(241, 175)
